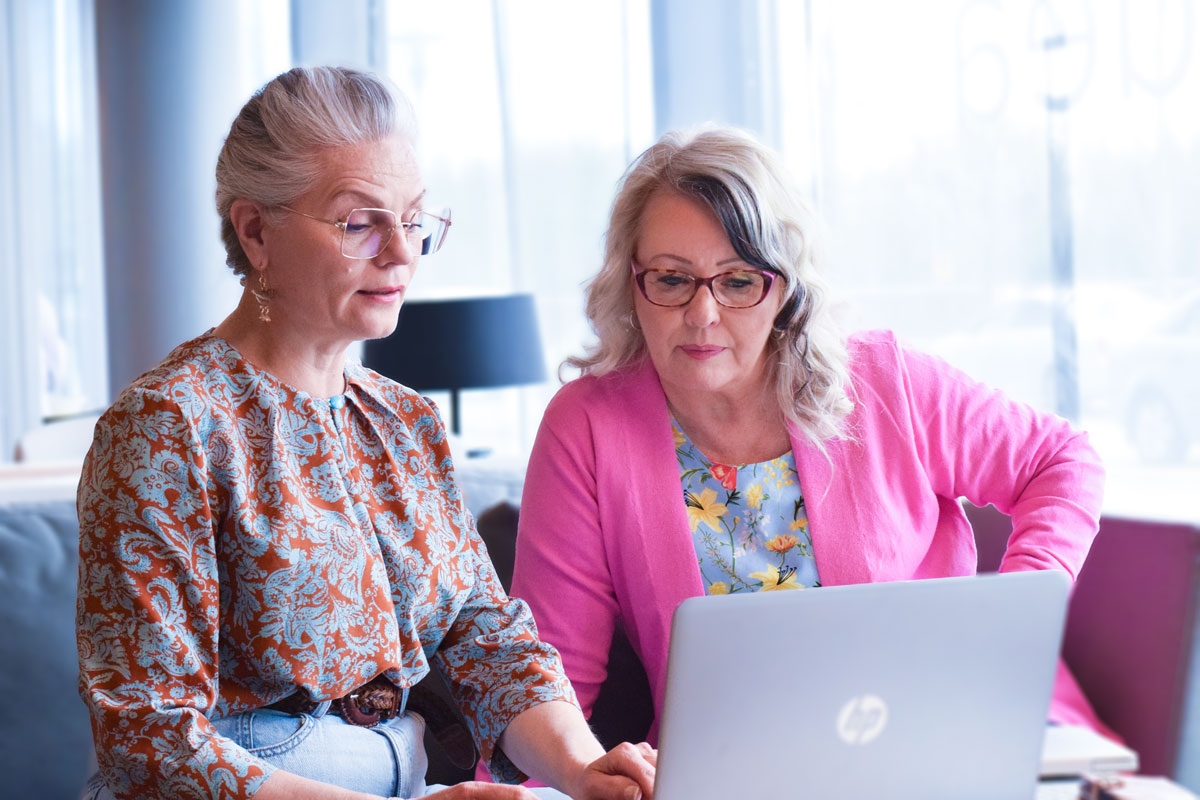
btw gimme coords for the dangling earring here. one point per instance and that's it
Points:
(632, 321)
(263, 295)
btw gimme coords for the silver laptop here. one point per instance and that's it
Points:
(1071, 750)
(917, 689)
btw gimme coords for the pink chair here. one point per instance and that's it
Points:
(1132, 639)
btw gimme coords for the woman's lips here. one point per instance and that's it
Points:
(384, 294)
(701, 352)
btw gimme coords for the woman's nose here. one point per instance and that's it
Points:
(703, 309)
(400, 250)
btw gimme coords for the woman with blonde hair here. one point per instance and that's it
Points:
(725, 437)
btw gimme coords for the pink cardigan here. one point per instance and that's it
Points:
(604, 537)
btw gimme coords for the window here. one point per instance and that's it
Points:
(55, 351)
(528, 112)
(53, 360)
(1013, 187)
(1009, 185)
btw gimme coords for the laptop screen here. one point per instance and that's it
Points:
(915, 689)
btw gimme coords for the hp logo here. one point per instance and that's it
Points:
(862, 719)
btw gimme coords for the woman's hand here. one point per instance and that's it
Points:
(624, 773)
(479, 790)
(552, 743)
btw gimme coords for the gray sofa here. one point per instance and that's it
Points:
(1132, 637)
(45, 736)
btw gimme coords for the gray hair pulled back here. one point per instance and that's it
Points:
(272, 153)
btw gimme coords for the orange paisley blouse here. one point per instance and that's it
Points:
(241, 540)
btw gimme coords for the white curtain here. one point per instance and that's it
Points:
(52, 359)
(529, 113)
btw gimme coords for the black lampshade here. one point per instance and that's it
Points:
(463, 343)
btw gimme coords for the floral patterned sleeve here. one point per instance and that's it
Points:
(494, 662)
(147, 614)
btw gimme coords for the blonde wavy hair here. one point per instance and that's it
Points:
(770, 227)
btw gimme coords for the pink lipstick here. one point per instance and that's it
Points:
(702, 352)
(384, 294)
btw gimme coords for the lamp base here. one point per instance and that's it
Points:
(454, 425)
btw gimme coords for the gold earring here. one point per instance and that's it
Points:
(263, 295)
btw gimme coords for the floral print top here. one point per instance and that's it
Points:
(748, 522)
(241, 540)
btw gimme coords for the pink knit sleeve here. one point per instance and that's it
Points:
(561, 568)
(976, 442)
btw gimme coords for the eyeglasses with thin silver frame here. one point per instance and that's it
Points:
(367, 231)
(737, 288)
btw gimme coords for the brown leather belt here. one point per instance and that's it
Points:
(370, 704)
(379, 700)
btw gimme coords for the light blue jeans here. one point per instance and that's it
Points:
(387, 760)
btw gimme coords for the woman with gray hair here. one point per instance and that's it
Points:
(273, 549)
(726, 438)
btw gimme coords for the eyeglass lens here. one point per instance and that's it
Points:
(738, 289)
(368, 231)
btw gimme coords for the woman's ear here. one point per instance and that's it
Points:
(249, 223)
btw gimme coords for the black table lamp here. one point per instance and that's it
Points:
(464, 343)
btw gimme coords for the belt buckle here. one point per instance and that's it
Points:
(369, 705)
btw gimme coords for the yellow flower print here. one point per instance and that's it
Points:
(798, 525)
(754, 495)
(704, 508)
(718, 587)
(771, 579)
(782, 543)
(678, 434)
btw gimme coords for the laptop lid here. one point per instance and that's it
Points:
(916, 689)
